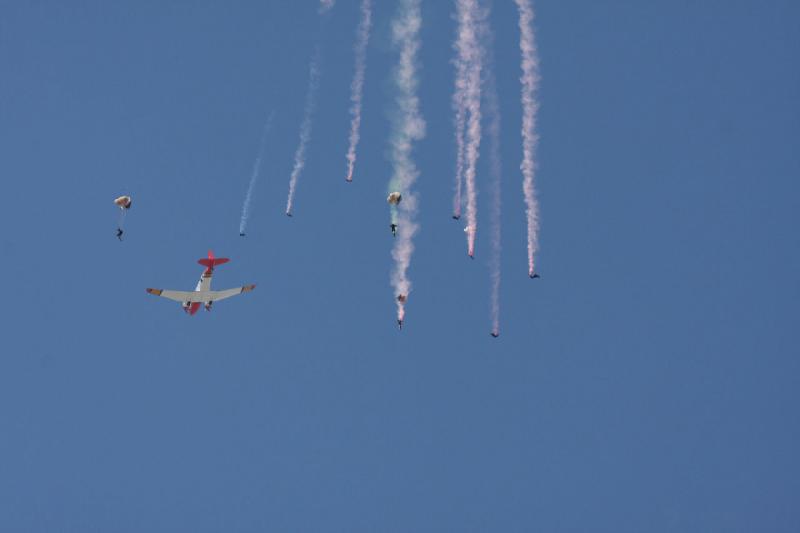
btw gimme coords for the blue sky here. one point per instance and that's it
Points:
(647, 383)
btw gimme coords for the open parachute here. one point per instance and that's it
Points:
(124, 203)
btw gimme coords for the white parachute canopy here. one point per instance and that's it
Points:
(394, 198)
(123, 202)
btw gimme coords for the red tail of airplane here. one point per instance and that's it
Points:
(212, 261)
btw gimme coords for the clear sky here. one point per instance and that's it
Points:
(648, 381)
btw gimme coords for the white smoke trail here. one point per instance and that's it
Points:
(305, 128)
(254, 175)
(325, 5)
(468, 96)
(496, 176)
(408, 126)
(530, 82)
(459, 120)
(357, 86)
(459, 123)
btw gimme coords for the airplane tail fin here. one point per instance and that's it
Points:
(212, 261)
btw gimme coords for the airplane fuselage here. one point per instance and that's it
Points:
(204, 284)
(202, 295)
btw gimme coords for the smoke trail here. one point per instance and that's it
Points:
(459, 125)
(357, 86)
(459, 121)
(408, 126)
(254, 175)
(467, 97)
(530, 82)
(325, 5)
(496, 176)
(305, 127)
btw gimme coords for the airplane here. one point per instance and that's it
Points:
(202, 294)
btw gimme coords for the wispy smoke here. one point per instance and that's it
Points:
(530, 82)
(459, 108)
(467, 100)
(305, 127)
(325, 5)
(459, 123)
(254, 175)
(357, 86)
(408, 126)
(496, 177)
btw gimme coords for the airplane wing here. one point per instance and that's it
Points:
(215, 296)
(200, 296)
(178, 296)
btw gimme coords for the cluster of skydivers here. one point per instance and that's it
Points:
(124, 203)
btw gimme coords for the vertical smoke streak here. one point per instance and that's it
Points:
(408, 126)
(468, 97)
(473, 138)
(530, 82)
(459, 120)
(357, 86)
(305, 128)
(496, 177)
(459, 125)
(254, 175)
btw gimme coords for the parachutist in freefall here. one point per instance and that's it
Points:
(456, 217)
(399, 324)
(394, 229)
(495, 335)
(119, 233)
(534, 275)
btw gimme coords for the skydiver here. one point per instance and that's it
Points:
(495, 335)
(394, 229)
(399, 324)
(471, 256)
(119, 233)
(288, 213)
(534, 275)
(456, 217)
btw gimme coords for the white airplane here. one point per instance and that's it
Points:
(202, 294)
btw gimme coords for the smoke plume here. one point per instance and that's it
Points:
(357, 86)
(305, 128)
(408, 127)
(254, 175)
(530, 82)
